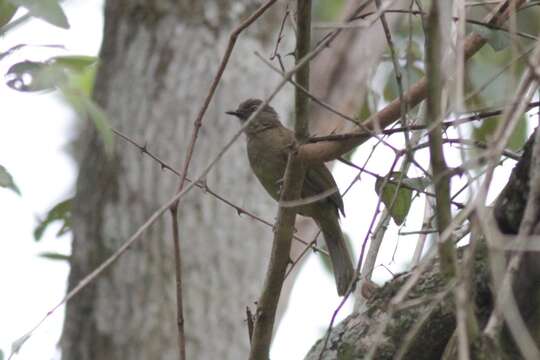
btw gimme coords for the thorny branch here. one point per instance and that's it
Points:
(189, 154)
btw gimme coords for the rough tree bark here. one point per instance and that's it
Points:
(431, 297)
(157, 61)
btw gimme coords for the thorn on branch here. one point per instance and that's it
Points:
(203, 185)
(250, 320)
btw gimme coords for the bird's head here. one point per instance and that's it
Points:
(248, 107)
(266, 119)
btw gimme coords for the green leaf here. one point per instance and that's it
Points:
(76, 71)
(74, 62)
(6, 180)
(497, 39)
(7, 10)
(417, 183)
(328, 10)
(398, 202)
(54, 256)
(519, 135)
(48, 10)
(85, 106)
(101, 123)
(30, 76)
(83, 80)
(74, 76)
(1, 355)
(414, 52)
(60, 212)
(485, 131)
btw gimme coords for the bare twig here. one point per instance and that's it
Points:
(328, 150)
(224, 61)
(279, 259)
(189, 154)
(397, 73)
(293, 182)
(179, 295)
(423, 14)
(325, 106)
(207, 190)
(478, 115)
(358, 264)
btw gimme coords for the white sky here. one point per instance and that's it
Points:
(33, 134)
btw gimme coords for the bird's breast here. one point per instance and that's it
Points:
(268, 158)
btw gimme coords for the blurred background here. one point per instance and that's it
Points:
(36, 135)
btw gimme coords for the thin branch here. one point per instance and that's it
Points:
(399, 298)
(506, 305)
(179, 295)
(206, 189)
(189, 154)
(479, 115)
(397, 73)
(395, 182)
(328, 150)
(358, 264)
(423, 14)
(293, 183)
(475, 143)
(324, 105)
(224, 61)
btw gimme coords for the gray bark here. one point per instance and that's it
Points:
(157, 61)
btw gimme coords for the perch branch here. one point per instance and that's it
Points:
(293, 181)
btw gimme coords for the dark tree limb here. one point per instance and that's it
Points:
(429, 312)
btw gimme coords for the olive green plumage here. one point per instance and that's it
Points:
(268, 143)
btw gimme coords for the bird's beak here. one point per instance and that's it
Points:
(232, 112)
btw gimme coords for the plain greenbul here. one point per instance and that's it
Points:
(268, 144)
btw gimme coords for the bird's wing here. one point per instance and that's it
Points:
(318, 180)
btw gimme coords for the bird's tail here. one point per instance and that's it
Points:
(339, 254)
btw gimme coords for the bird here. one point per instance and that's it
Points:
(268, 146)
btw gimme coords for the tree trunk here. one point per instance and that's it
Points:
(157, 61)
(431, 298)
